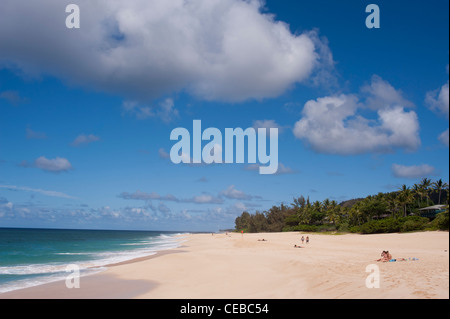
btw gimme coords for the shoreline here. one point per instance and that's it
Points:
(57, 289)
(236, 266)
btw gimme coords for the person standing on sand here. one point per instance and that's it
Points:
(307, 239)
(303, 239)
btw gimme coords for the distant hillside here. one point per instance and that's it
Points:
(433, 199)
(349, 203)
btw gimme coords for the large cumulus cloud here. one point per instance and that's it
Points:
(227, 50)
(338, 125)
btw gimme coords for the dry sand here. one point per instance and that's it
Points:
(236, 266)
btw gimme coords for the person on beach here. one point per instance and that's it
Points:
(388, 255)
(303, 239)
(307, 239)
(385, 256)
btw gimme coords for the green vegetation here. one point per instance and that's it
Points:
(382, 213)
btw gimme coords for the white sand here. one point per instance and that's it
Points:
(236, 266)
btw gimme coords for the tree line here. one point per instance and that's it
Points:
(383, 212)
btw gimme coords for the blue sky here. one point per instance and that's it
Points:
(86, 114)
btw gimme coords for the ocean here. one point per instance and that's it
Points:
(30, 257)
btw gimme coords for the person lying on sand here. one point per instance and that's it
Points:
(385, 256)
(298, 246)
(262, 239)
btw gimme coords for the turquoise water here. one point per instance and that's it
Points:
(30, 257)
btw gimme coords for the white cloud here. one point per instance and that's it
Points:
(85, 139)
(12, 97)
(444, 137)
(438, 100)
(205, 199)
(214, 49)
(333, 124)
(163, 154)
(380, 94)
(414, 171)
(198, 199)
(164, 110)
(282, 169)
(38, 190)
(55, 165)
(267, 124)
(5, 204)
(33, 135)
(232, 193)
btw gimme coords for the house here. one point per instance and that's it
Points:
(431, 211)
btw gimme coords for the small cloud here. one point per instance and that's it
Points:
(55, 165)
(163, 154)
(205, 199)
(163, 208)
(33, 135)
(232, 193)
(37, 190)
(282, 169)
(165, 110)
(414, 171)
(267, 124)
(12, 97)
(381, 94)
(444, 137)
(84, 139)
(438, 100)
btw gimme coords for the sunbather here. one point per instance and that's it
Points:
(385, 256)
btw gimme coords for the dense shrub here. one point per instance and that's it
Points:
(441, 222)
(355, 229)
(388, 225)
(393, 225)
(305, 228)
(311, 228)
(413, 223)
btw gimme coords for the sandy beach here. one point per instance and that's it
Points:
(243, 266)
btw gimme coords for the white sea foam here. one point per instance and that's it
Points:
(48, 278)
(37, 274)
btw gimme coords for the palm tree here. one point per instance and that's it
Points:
(325, 205)
(355, 214)
(425, 185)
(417, 192)
(392, 204)
(333, 212)
(405, 196)
(438, 186)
